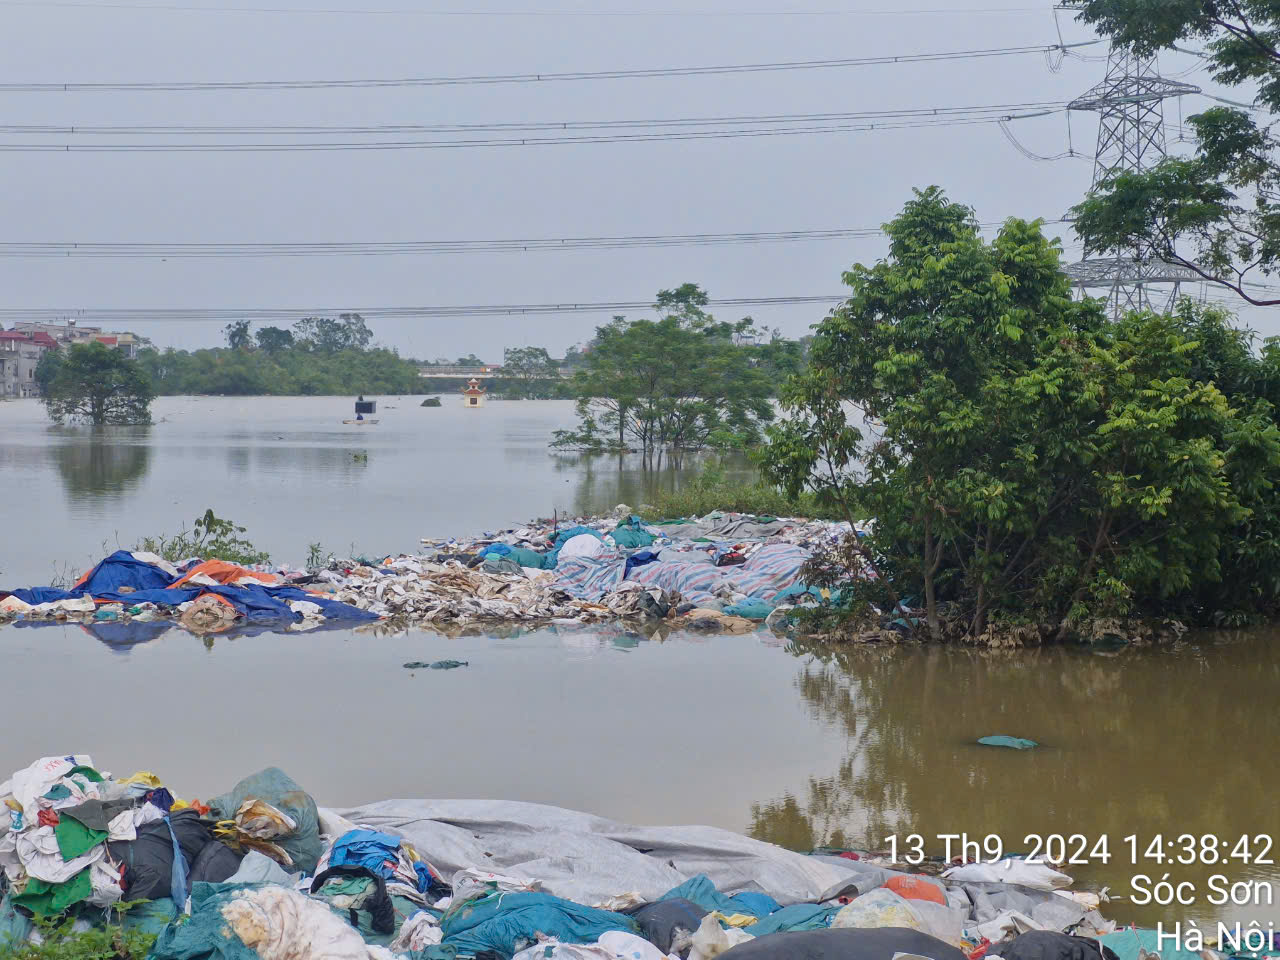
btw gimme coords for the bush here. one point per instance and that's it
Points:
(111, 942)
(212, 537)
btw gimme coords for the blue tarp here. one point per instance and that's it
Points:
(375, 851)
(34, 595)
(799, 916)
(506, 923)
(703, 892)
(122, 570)
(149, 584)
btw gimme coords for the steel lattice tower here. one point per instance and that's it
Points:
(1131, 136)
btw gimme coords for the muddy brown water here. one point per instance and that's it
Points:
(797, 744)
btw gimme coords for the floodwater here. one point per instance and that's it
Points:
(292, 473)
(802, 745)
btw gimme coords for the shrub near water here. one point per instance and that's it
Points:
(1035, 465)
(211, 537)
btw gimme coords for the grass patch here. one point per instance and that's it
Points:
(712, 490)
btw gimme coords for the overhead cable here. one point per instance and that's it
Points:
(152, 250)
(284, 314)
(506, 13)
(753, 128)
(648, 72)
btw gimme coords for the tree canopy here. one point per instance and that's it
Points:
(1218, 212)
(678, 384)
(93, 383)
(529, 373)
(1027, 460)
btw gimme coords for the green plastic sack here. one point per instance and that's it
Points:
(277, 788)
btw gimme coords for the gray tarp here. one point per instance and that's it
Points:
(726, 528)
(588, 859)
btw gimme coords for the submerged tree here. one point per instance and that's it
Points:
(1026, 460)
(96, 384)
(670, 386)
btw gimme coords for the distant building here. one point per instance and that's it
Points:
(20, 354)
(71, 332)
(473, 393)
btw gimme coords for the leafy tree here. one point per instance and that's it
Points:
(238, 336)
(674, 385)
(470, 360)
(529, 373)
(1218, 212)
(274, 339)
(347, 331)
(98, 385)
(47, 369)
(1026, 460)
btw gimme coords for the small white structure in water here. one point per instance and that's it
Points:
(473, 393)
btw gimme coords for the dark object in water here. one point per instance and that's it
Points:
(431, 402)
(438, 665)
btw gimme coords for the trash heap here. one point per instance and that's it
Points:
(722, 572)
(205, 596)
(262, 873)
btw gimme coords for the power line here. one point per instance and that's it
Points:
(148, 250)
(648, 72)
(226, 130)
(284, 314)
(191, 8)
(902, 121)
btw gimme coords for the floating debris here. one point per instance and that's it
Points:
(438, 665)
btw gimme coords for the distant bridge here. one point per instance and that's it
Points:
(480, 373)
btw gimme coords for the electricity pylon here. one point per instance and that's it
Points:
(1131, 136)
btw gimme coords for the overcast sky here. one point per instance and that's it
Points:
(731, 185)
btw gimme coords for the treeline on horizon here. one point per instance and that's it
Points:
(327, 356)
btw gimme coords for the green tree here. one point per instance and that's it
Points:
(237, 334)
(47, 369)
(470, 360)
(274, 339)
(670, 386)
(1026, 461)
(1218, 212)
(529, 373)
(347, 331)
(98, 385)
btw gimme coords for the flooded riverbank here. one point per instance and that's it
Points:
(801, 745)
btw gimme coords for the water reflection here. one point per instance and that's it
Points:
(1136, 743)
(612, 478)
(105, 465)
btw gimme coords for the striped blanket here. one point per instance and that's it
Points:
(767, 572)
(591, 578)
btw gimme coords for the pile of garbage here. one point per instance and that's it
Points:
(262, 873)
(723, 572)
(205, 596)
